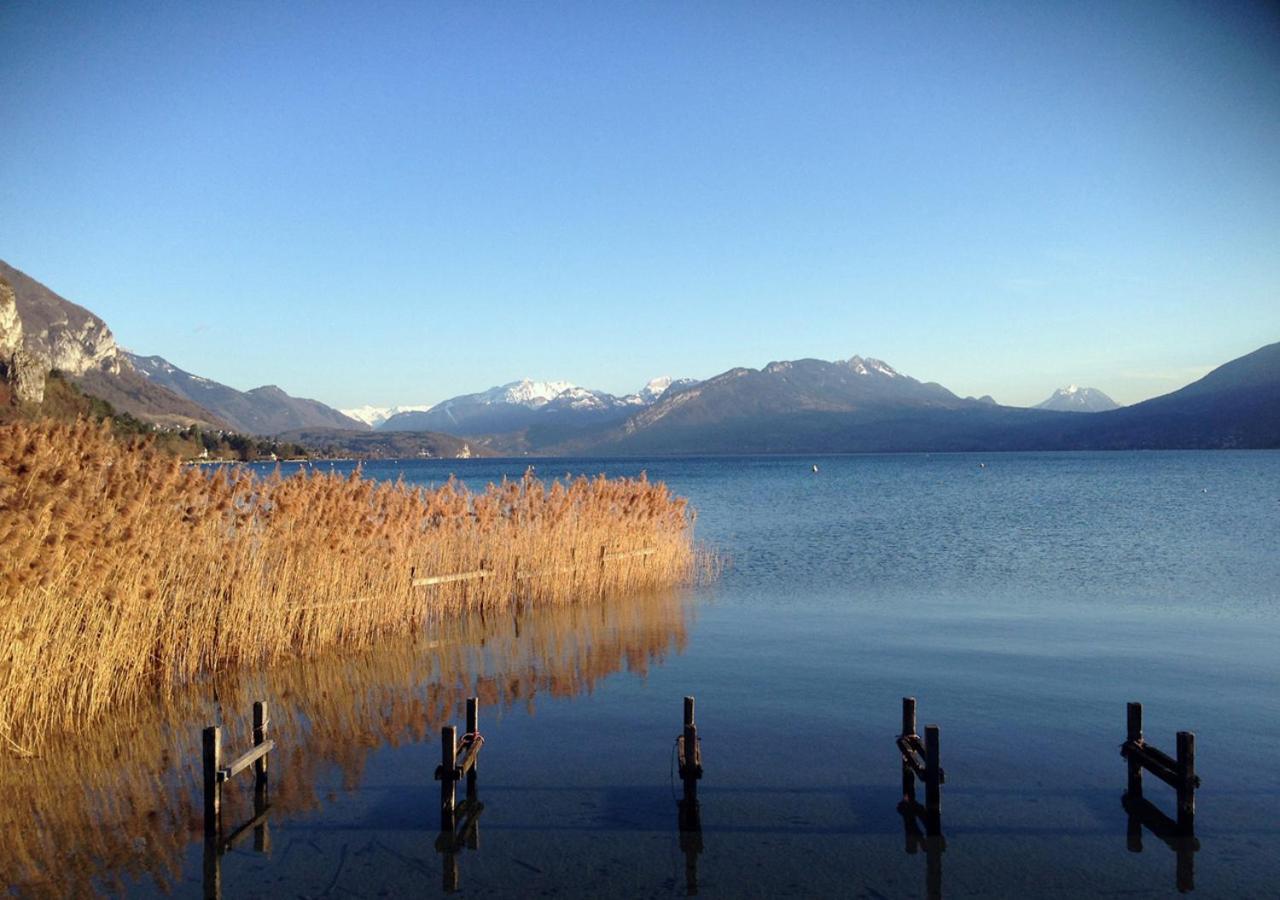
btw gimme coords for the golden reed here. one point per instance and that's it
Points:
(123, 571)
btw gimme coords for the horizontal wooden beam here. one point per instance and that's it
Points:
(913, 754)
(627, 554)
(1158, 763)
(467, 758)
(243, 762)
(540, 573)
(446, 579)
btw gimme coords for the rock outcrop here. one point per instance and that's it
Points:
(18, 369)
(57, 333)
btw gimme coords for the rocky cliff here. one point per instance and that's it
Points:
(59, 334)
(55, 333)
(21, 374)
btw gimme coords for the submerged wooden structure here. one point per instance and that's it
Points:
(1179, 772)
(215, 775)
(920, 759)
(459, 822)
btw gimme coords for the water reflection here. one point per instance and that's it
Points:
(122, 802)
(1182, 840)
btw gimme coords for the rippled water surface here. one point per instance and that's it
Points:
(1022, 598)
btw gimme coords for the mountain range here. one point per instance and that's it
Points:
(789, 406)
(57, 334)
(263, 410)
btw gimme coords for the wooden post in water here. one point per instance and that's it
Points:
(689, 768)
(1134, 735)
(932, 779)
(260, 722)
(212, 741)
(602, 570)
(908, 729)
(1187, 782)
(473, 730)
(448, 767)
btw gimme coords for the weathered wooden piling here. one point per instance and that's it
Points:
(457, 760)
(908, 728)
(1179, 772)
(1186, 760)
(260, 722)
(212, 743)
(689, 753)
(1134, 736)
(921, 760)
(932, 771)
(473, 733)
(216, 773)
(447, 776)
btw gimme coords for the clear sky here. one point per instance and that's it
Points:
(396, 203)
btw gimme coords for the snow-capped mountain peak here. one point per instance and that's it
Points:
(653, 389)
(1074, 398)
(869, 366)
(527, 392)
(373, 416)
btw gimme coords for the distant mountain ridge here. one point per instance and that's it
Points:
(373, 416)
(60, 335)
(266, 410)
(520, 407)
(1078, 399)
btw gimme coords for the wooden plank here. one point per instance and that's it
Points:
(467, 758)
(226, 773)
(628, 554)
(910, 757)
(1158, 764)
(353, 602)
(446, 579)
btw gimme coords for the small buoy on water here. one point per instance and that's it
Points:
(815, 468)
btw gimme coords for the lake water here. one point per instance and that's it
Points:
(1022, 598)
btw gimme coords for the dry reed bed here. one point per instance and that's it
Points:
(124, 798)
(123, 571)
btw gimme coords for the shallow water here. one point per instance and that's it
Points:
(1023, 603)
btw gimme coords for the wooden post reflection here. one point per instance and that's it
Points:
(1144, 814)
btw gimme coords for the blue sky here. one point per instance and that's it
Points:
(396, 203)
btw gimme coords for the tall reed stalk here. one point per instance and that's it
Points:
(123, 571)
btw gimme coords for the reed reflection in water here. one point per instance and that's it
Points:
(123, 802)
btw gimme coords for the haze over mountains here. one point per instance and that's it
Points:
(789, 406)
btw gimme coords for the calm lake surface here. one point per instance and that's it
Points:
(1023, 603)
